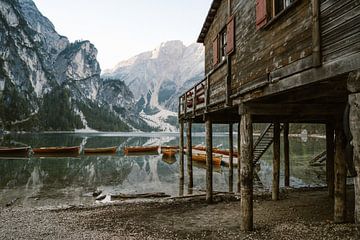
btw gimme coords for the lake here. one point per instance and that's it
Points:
(39, 182)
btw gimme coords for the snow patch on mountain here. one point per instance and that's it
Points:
(159, 120)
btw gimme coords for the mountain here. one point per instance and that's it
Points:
(48, 83)
(158, 77)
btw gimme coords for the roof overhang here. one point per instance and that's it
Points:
(209, 20)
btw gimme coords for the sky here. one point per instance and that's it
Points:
(120, 29)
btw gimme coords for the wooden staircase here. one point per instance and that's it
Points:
(264, 141)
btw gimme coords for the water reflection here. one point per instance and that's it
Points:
(63, 180)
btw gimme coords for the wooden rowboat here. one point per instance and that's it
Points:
(169, 152)
(57, 150)
(202, 158)
(107, 150)
(18, 151)
(138, 149)
(216, 150)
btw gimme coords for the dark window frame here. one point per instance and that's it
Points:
(223, 44)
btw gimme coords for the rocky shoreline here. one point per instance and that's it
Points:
(300, 214)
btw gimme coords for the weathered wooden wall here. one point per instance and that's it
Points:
(340, 36)
(258, 52)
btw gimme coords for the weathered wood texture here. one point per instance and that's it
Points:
(340, 176)
(246, 159)
(354, 120)
(340, 25)
(257, 51)
(276, 163)
(189, 156)
(231, 158)
(181, 148)
(239, 162)
(330, 148)
(209, 161)
(286, 156)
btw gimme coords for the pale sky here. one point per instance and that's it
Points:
(121, 29)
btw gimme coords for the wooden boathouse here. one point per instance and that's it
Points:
(279, 62)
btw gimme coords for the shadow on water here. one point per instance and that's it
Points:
(55, 181)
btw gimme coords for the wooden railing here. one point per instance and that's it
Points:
(193, 99)
(206, 93)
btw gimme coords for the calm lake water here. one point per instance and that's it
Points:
(38, 182)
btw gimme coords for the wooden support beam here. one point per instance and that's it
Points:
(189, 157)
(286, 156)
(246, 158)
(330, 178)
(228, 101)
(276, 163)
(353, 86)
(295, 109)
(181, 148)
(209, 161)
(239, 162)
(316, 39)
(340, 175)
(231, 158)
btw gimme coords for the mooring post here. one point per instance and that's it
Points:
(239, 162)
(181, 158)
(330, 178)
(181, 149)
(353, 86)
(286, 156)
(189, 157)
(231, 158)
(246, 156)
(209, 161)
(340, 175)
(276, 163)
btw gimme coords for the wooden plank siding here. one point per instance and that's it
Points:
(258, 52)
(304, 44)
(339, 35)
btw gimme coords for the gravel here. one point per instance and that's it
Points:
(298, 215)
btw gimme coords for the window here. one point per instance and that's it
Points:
(266, 10)
(280, 5)
(223, 43)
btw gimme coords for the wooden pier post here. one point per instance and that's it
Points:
(239, 162)
(246, 156)
(209, 161)
(181, 149)
(353, 85)
(340, 175)
(286, 156)
(330, 178)
(276, 163)
(189, 157)
(231, 158)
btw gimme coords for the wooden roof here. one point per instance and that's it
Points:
(209, 19)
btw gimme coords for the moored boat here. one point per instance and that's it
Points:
(169, 152)
(141, 149)
(57, 150)
(14, 151)
(202, 158)
(104, 150)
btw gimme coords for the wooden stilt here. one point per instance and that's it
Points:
(286, 156)
(231, 158)
(189, 158)
(239, 162)
(209, 164)
(340, 176)
(181, 148)
(276, 163)
(330, 178)
(246, 156)
(353, 86)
